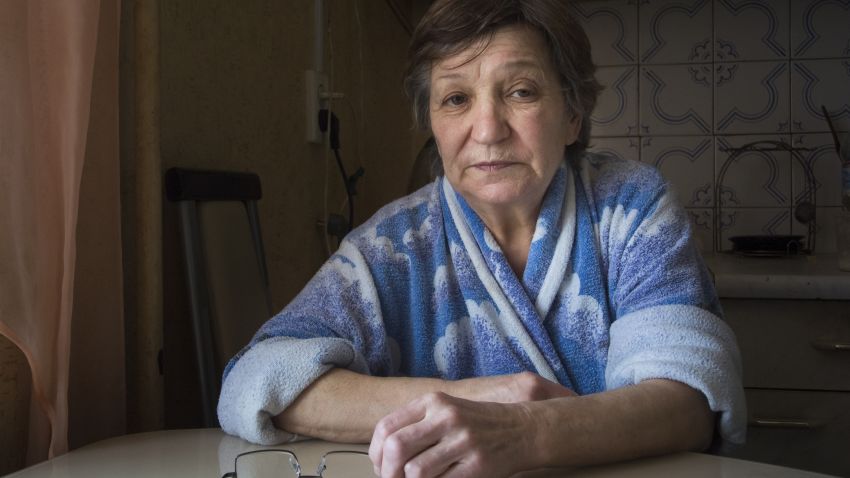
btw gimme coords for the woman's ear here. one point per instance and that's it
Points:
(573, 128)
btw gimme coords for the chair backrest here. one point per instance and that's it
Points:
(225, 267)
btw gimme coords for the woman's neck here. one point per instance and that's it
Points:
(513, 229)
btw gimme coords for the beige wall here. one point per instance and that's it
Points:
(232, 98)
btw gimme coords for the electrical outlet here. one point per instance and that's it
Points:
(315, 86)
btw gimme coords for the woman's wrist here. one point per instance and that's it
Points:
(496, 388)
(532, 448)
(467, 388)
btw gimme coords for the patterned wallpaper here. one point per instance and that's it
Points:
(689, 81)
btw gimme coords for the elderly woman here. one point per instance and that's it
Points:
(537, 305)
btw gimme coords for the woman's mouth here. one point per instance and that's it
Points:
(492, 165)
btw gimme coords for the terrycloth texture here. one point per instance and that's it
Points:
(613, 293)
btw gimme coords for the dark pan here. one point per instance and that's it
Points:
(767, 245)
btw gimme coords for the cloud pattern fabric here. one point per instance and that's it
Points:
(614, 292)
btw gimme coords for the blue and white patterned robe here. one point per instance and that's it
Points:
(614, 292)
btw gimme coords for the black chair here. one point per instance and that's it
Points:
(226, 270)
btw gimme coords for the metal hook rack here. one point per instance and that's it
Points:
(766, 146)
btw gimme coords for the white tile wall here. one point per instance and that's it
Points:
(611, 26)
(702, 224)
(674, 31)
(624, 148)
(675, 99)
(681, 73)
(819, 28)
(820, 82)
(751, 97)
(750, 30)
(818, 152)
(686, 162)
(616, 112)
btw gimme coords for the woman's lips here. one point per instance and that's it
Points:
(492, 166)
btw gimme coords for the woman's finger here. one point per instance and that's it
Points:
(389, 425)
(436, 460)
(412, 413)
(406, 444)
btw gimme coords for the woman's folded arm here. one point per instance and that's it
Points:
(345, 406)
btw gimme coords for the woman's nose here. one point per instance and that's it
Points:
(490, 124)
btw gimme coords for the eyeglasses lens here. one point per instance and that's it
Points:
(347, 465)
(267, 464)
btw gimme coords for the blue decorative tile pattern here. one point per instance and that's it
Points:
(817, 83)
(675, 31)
(702, 223)
(751, 30)
(686, 162)
(623, 148)
(751, 97)
(820, 28)
(680, 72)
(616, 109)
(612, 28)
(817, 151)
(676, 99)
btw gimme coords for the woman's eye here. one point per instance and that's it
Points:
(456, 100)
(522, 93)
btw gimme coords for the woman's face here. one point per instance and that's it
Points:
(500, 120)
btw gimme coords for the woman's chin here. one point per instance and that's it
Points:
(502, 194)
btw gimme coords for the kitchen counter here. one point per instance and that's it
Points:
(791, 317)
(793, 277)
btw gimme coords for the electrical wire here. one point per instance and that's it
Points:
(359, 125)
(327, 139)
(348, 181)
(349, 186)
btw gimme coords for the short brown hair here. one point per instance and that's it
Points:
(451, 26)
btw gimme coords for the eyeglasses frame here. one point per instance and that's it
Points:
(319, 470)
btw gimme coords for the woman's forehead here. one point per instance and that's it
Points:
(515, 47)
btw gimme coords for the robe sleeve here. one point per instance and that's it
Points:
(668, 319)
(334, 322)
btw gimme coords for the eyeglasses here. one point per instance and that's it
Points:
(274, 463)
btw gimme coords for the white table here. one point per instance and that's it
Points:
(209, 453)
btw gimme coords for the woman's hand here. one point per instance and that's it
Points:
(462, 432)
(441, 435)
(514, 388)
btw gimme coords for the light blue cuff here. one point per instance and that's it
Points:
(270, 376)
(686, 344)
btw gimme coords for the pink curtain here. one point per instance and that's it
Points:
(46, 70)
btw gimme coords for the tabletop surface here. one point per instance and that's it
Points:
(210, 453)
